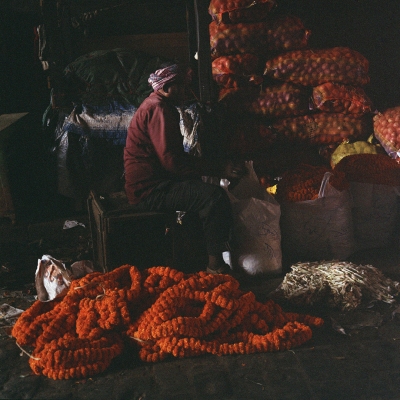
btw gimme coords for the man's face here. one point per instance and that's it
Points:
(176, 93)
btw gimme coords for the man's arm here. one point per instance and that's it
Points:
(165, 134)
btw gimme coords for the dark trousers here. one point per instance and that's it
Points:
(209, 202)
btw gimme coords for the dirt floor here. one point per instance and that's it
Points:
(355, 355)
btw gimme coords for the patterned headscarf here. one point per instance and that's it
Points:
(162, 76)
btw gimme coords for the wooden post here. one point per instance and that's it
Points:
(203, 51)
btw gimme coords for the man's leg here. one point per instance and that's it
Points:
(210, 202)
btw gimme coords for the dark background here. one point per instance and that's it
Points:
(368, 26)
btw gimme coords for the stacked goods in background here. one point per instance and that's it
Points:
(290, 98)
(387, 131)
(299, 112)
(339, 107)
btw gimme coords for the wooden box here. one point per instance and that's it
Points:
(121, 235)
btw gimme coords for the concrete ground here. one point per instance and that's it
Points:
(363, 363)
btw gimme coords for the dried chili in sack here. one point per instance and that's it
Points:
(314, 67)
(339, 98)
(231, 12)
(281, 33)
(387, 131)
(379, 169)
(325, 128)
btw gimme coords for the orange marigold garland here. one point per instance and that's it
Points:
(231, 322)
(70, 357)
(165, 311)
(75, 328)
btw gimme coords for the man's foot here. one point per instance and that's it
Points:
(219, 269)
(216, 265)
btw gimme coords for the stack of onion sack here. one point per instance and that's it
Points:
(243, 35)
(275, 34)
(339, 108)
(162, 310)
(375, 187)
(315, 67)
(274, 101)
(316, 219)
(239, 70)
(232, 12)
(387, 131)
(250, 137)
(258, 106)
(323, 128)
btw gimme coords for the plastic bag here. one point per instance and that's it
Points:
(256, 227)
(52, 278)
(320, 229)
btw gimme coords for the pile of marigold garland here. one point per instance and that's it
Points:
(162, 310)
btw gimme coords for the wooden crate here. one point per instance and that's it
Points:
(121, 235)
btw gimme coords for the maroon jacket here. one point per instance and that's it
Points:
(154, 149)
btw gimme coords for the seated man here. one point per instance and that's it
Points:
(161, 177)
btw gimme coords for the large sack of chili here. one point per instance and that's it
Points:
(374, 186)
(387, 131)
(277, 101)
(315, 67)
(237, 70)
(324, 128)
(339, 98)
(276, 34)
(316, 219)
(232, 12)
(282, 157)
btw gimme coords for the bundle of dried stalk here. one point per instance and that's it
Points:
(338, 283)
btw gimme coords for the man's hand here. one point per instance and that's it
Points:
(233, 170)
